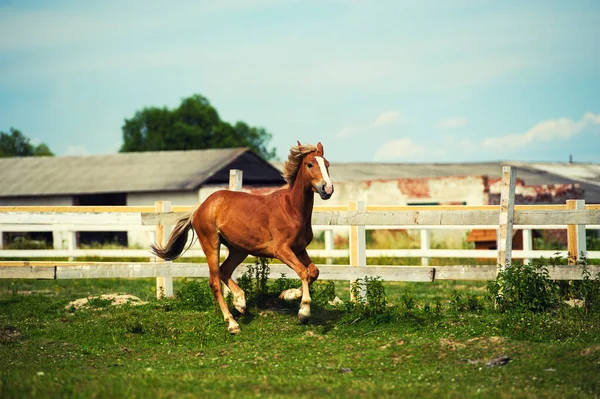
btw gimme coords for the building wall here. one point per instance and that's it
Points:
(447, 190)
(176, 198)
(59, 238)
(140, 238)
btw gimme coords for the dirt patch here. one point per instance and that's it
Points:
(9, 334)
(110, 299)
(453, 345)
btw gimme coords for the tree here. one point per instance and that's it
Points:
(195, 124)
(15, 144)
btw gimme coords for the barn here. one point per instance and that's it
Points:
(182, 177)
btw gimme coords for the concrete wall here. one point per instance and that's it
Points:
(176, 198)
(138, 238)
(446, 190)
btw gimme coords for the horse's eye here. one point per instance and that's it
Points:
(309, 165)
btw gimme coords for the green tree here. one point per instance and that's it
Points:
(195, 124)
(15, 144)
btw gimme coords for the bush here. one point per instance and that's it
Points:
(524, 287)
(374, 301)
(254, 282)
(322, 292)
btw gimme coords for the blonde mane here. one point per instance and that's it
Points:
(291, 166)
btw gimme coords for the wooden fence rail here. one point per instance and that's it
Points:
(357, 216)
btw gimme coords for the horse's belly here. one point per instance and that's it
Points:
(255, 241)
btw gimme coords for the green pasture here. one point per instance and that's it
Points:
(442, 339)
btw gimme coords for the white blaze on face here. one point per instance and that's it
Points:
(325, 174)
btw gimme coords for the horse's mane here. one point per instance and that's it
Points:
(291, 166)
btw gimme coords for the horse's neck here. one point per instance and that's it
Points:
(302, 198)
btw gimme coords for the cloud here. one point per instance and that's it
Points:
(454, 122)
(386, 118)
(551, 130)
(400, 149)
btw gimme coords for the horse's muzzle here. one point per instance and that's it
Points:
(325, 191)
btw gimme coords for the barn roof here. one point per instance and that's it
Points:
(131, 172)
(532, 173)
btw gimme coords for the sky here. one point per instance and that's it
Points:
(374, 81)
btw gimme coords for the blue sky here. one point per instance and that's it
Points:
(385, 81)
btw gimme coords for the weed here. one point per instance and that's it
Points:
(408, 301)
(523, 287)
(322, 292)
(194, 294)
(282, 283)
(254, 282)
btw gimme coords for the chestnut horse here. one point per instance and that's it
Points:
(276, 225)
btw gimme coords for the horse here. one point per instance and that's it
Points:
(276, 225)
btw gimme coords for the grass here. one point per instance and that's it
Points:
(429, 343)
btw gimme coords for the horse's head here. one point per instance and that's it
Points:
(317, 168)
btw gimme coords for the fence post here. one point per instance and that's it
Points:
(236, 178)
(527, 244)
(576, 234)
(425, 246)
(71, 243)
(358, 244)
(506, 217)
(164, 285)
(329, 244)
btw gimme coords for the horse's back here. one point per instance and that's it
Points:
(225, 205)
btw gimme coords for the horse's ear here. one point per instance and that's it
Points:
(299, 145)
(320, 148)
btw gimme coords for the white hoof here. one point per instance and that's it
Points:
(233, 329)
(240, 305)
(304, 314)
(291, 295)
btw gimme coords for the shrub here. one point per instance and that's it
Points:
(322, 292)
(374, 301)
(254, 282)
(524, 287)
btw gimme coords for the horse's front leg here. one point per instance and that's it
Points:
(307, 272)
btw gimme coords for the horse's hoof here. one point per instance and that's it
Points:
(291, 295)
(234, 329)
(304, 314)
(240, 309)
(240, 304)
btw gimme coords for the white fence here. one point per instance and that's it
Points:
(575, 216)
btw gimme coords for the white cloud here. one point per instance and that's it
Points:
(386, 118)
(350, 131)
(551, 130)
(451, 123)
(400, 149)
(77, 150)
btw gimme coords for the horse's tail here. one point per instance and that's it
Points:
(175, 245)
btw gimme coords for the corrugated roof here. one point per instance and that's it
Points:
(123, 172)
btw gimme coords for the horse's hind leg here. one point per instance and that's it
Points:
(233, 260)
(210, 246)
